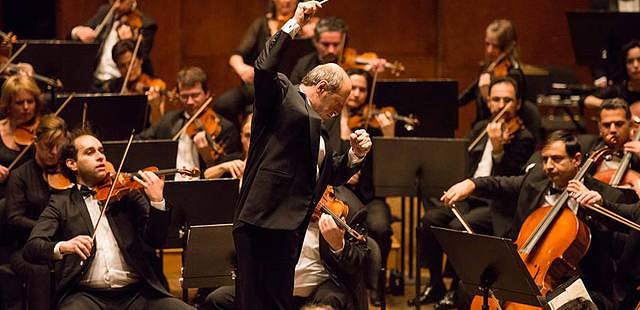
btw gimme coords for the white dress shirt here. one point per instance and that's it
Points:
(187, 155)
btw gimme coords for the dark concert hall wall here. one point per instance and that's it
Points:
(433, 38)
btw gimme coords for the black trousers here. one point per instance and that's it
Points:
(266, 266)
(431, 255)
(379, 226)
(133, 297)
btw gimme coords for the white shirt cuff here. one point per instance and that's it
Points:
(291, 27)
(353, 159)
(160, 205)
(56, 251)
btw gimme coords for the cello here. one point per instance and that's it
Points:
(623, 175)
(551, 242)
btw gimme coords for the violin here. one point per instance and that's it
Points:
(511, 126)
(204, 120)
(126, 182)
(364, 117)
(25, 134)
(338, 210)
(352, 60)
(622, 175)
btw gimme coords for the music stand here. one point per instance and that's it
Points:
(486, 263)
(72, 62)
(193, 205)
(433, 102)
(209, 257)
(164, 154)
(417, 167)
(111, 116)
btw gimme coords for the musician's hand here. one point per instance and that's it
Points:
(153, 185)
(234, 167)
(354, 179)
(85, 34)
(333, 234)
(25, 69)
(360, 141)
(200, 140)
(458, 192)
(496, 133)
(376, 65)
(246, 73)
(4, 173)
(153, 93)
(125, 32)
(305, 11)
(633, 147)
(387, 124)
(601, 82)
(80, 245)
(582, 194)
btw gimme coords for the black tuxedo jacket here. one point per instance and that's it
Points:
(279, 189)
(149, 28)
(138, 228)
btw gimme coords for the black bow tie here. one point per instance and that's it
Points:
(555, 191)
(86, 192)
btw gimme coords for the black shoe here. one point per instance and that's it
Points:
(448, 301)
(429, 295)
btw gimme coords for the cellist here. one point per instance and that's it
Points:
(543, 184)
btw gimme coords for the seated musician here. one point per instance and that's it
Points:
(615, 130)
(109, 35)
(20, 104)
(629, 88)
(138, 82)
(501, 153)
(330, 269)
(543, 184)
(361, 184)
(234, 166)
(231, 103)
(195, 151)
(115, 271)
(27, 195)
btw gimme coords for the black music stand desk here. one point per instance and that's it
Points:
(417, 167)
(143, 153)
(199, 202)
(487, 263)
(110, 116)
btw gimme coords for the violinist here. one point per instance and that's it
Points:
(20, 104)
(103, 28)
(116, 270)
(232, 103)
(234, 167)
(627, 89)
(503, 152)
(543, 184)
(194, 151)
(27, 195)
(139, 82)
(329, 270)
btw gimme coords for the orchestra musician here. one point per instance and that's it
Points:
(139, 82)
(27, 195)
(329, 271)
(361, 184)
(193, 92)
(234, 166)
(285, 173)
(20, 103)
(106, 68)
(503, 152)
(629, 88)
(543, 184)
(115, 271)
(231, 103)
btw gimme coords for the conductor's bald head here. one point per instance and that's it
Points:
(327, 87)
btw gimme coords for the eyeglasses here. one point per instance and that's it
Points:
(185, 97)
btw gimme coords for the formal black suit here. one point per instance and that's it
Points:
(149, 28)
(526, 193)
(172, 121)
(137, 227)
(280, 185)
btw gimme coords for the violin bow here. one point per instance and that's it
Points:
(113, 185)
(13, 57)
(106, 19)
(134, 58)
(28, 147)
(192, 118)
